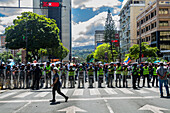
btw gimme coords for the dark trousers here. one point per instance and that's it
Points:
(58, 91)
(118, 76)
(96, 75)
(134, 78)
(35, 83)
(125, 81)
(138, 78)
(144, 77)
(153, 82)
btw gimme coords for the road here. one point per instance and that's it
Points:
(89, 100)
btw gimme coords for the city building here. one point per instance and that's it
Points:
(154, 25)
(99, 37)
(2, 43)
(62, 15)
(128, 26)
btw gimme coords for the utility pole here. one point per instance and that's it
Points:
(26, 43)
(140, 54)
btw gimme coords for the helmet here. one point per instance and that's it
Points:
(64, 67)
(111, 63)
(80, 65)
(55, 68)
(28, 63)
(135, 63)
(101, 65)
(91, 65)
(117, 62)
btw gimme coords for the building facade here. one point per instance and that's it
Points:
(153, 26)
(99, 37)
(62, 15)
(128, 13)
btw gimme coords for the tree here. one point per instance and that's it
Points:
(89, 57)
(103, 53)
(41, 32)
(110, 28)
(5, 56)
(147, 51)
(18, 57)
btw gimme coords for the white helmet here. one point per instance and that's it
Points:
(55, 68)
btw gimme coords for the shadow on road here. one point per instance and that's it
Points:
(55, 103)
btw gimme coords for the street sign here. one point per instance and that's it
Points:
(72, 109)
(117, 44)
(116, 36)
(51, 4)
(154, 109)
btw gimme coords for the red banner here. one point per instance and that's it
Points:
(51, 4)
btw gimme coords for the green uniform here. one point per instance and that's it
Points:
(100, 74)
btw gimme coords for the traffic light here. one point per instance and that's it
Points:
(115, 43)
(23, 37)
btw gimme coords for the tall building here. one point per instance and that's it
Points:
(154, 25)
(128, 26)
(99, 37)
(62, 15)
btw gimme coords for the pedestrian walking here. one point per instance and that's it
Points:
(57, 85)
(162, 76)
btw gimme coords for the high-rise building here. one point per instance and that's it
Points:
(99, 37)
(128, 13)
(62, 15)
(154, 25)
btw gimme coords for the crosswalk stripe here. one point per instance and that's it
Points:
(153, 89)
(6, 95)
(64, 91)
(94, 92)
(42, 94)
(22, 95)
(141, 91)
(78, 92)
(110, 91)
(126, 91)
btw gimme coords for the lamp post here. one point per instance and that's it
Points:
(140, 54)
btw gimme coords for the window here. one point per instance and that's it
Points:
(146, 39)
(163, 11)
(147, 18)
(165, 36)
(166, 2)
(163, 23)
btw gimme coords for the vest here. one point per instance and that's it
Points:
(134, 71)
(42, 68)
(111, 71)
(71, 73)
(125, 71)
(100, 72)
(48, 68)
(90, 72)
(145, 71)
(154, 71)
(138, 70)
(118, 70)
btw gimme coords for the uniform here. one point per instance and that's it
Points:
(139, 75)
(2, 77)
(100, 76)
(81, 75)
(155, 77)
(146, 75)
(90, 76)
(71, 75)
(125, 73)
(134, 76)
(63, 77)
(15, 74)
(118, 75)
(48, 75)
(8, 78)
(42, 76)
(28, 77)
(22, 77)
(110, 76)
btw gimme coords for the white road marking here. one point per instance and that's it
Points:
(84, 99)
(6, 95)
(153, 89)
(108, 107)
(94, 92)
(42, 94)
(72, 109)
(22, 95)
(64, 91)
(110, 91)
(78, 92)
(126, 91)
(22, 107)
(142, 91)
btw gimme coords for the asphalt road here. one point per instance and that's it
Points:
(89, 100)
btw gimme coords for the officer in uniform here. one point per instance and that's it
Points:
(146, 74)
(28, 76)
(15, 76)
(125, 73)
(139, 75)
(8, 77)
(42, 76)
(63, 76)
(2, 77)
(71, 75)
(81, 75)
(22, 76)
(111, 75)
(155, 75)
(100, 76)
(90, 71)
(118, 74)
(48, 74)
(134, 75)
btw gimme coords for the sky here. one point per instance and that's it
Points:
(87, 16)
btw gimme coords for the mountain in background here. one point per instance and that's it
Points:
(88, 47)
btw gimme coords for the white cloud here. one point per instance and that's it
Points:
(123, 3)
(95, 4)
(83, 32)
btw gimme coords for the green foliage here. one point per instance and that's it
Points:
(147, 51)
(6, 55)
(110, 28)
(42, 33)
(17, 58)
(89, 57)
(100, 52)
